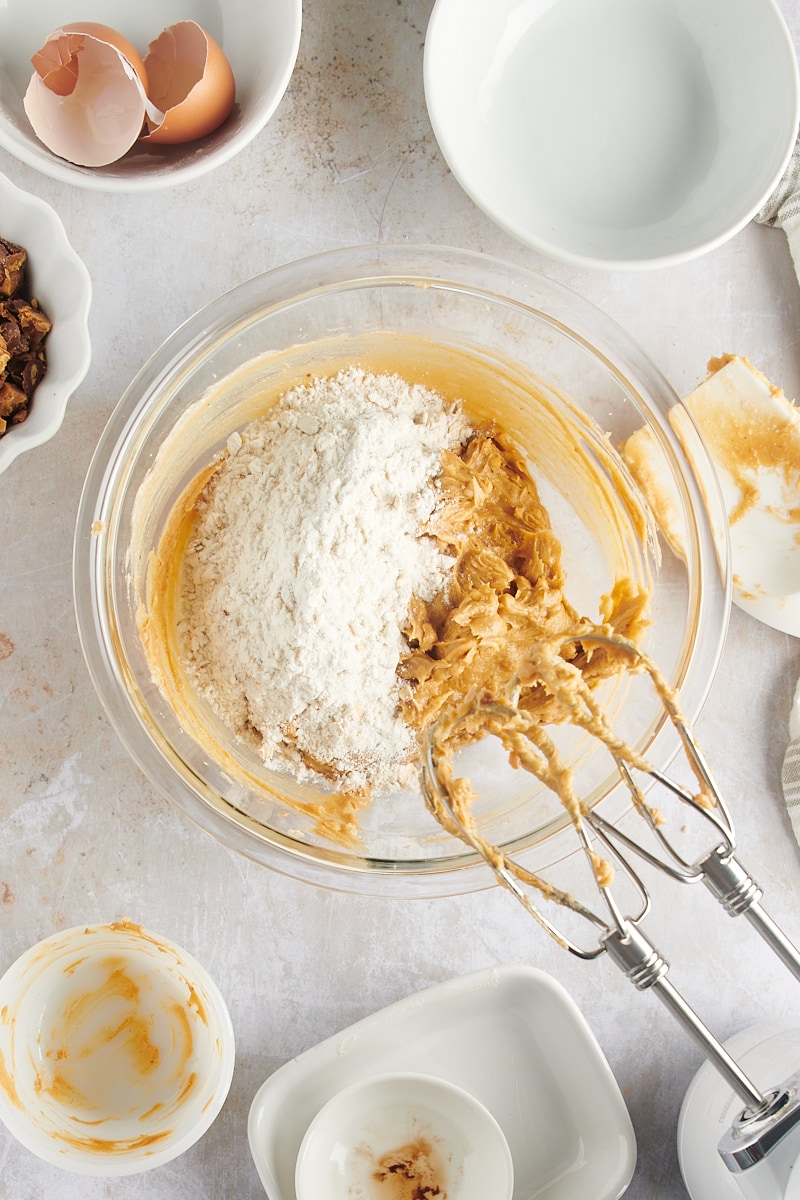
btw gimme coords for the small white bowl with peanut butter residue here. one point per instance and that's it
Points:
(116, 1050)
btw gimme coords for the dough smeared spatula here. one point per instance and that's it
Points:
(752, 433)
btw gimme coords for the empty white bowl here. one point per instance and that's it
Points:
(393, 1134)
(60, 282)
(116, 1050)
(614, 133)
(259, 40)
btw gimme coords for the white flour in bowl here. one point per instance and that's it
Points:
(308, 546)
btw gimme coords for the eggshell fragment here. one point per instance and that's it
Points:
(73, 32)
(191, 81)
(57, 63)
(87, 97)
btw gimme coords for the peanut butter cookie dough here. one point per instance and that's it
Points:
(505, 593)
(265, 591)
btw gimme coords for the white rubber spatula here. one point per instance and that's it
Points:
(752, 434)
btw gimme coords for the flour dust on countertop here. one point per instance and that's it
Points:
(308, 544)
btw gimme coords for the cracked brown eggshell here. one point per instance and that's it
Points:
(191, 82)
(92, 96)
(87, 97)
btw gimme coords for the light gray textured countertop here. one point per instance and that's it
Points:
(350, 158)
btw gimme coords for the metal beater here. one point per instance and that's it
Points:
(763, 1142)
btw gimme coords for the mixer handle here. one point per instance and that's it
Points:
(641, 963)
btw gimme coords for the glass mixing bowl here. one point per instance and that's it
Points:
(562, 379)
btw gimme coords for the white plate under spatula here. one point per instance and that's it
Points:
(752, 434)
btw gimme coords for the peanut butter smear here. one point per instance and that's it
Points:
(106, 1055)
(86, 1031)
(747, 436)
(7, 1084)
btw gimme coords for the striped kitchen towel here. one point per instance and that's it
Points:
(782, 209)
(791, 766)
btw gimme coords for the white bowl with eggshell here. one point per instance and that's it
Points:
(259, 42)
(116, 1049)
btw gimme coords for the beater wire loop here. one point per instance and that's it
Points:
(555, 665)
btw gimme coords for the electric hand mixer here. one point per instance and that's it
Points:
(762, 1143)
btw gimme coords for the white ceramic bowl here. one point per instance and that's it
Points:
(259, 40)
(613, 133)
(61, 284)
(416, 1127)
(116, 1050)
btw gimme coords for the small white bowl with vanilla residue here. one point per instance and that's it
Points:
(401, 1136)
(116, 1050)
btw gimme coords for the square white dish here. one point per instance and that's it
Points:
(511, 1036)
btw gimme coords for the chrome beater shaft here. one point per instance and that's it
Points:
(619, 936)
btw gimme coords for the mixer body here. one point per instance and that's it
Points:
(725, 1157)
